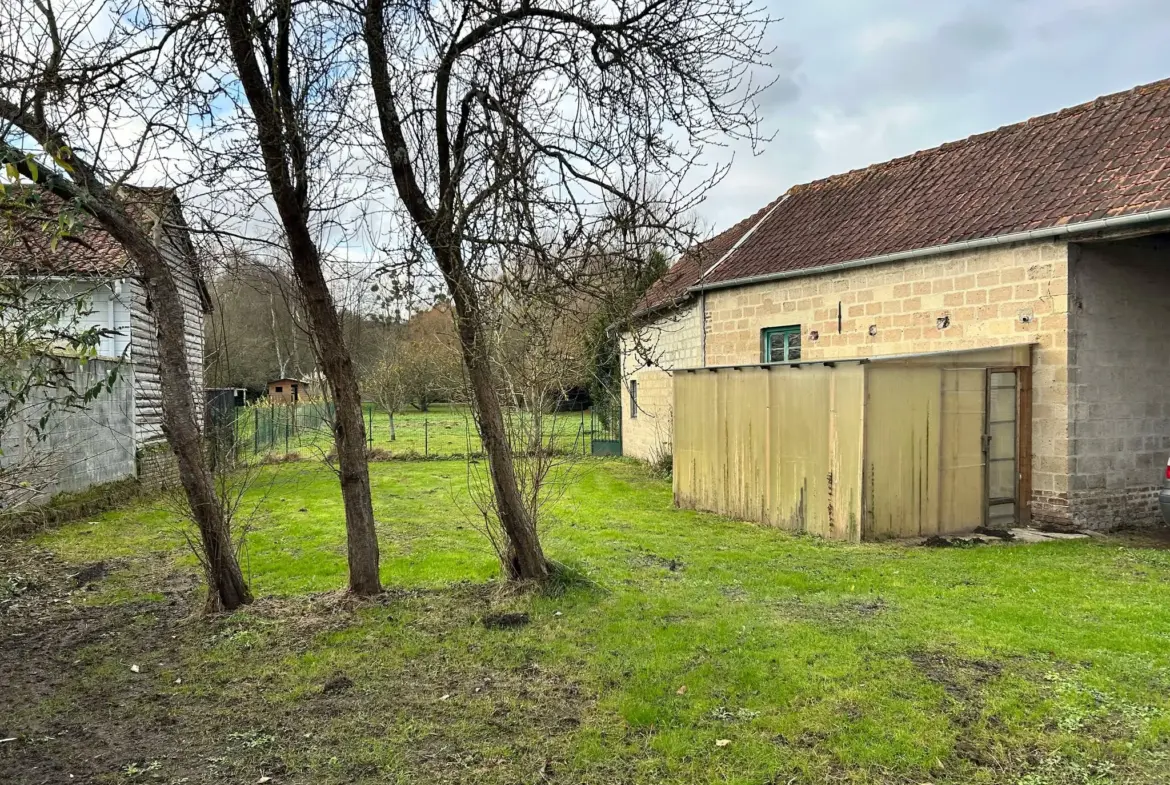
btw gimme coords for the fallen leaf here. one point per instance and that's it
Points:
(135, 669)
(722, 742)
(179, 681)
(263, 780)
(445, 697)
(681, 690)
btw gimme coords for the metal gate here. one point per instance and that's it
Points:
(605, 429)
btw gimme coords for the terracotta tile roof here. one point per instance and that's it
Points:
(685, 272)
(1108, 157)
(88, 251)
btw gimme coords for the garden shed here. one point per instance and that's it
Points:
(856, 450)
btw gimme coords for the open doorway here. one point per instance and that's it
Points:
(1000, 449)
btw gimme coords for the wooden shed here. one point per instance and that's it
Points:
(287, 390)
(858, 450)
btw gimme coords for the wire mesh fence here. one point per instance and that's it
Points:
(445, 431)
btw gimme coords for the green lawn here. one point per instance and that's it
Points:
(687, 648)
(446, 430)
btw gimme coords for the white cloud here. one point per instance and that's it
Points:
(880, 80)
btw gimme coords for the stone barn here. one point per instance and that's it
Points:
(1035, 259)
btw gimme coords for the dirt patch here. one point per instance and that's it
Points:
(90, 574)
(672, 564)
(149, 691)
(71, 723)
(337, 683)
(835, 614)
(960, 677)
(963, 680)
(937, 541)
(505, 621)
(1153, 537)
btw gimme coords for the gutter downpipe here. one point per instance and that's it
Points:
(703, 326)
(1083, 227)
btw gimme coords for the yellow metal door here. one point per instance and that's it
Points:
(902, 429)
(961, 458)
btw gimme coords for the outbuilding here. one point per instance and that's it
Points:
(970, 335)
(287, 390)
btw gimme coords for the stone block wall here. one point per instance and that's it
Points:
(971, 300)
(672, 341)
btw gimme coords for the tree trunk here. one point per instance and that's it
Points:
(523, 559)
(349, 428)
(285, 163)
(226, 588)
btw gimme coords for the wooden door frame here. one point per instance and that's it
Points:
(1024, 445)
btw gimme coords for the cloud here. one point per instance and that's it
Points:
(861, 82)
(784, 76)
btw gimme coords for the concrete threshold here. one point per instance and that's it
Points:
(1015, 536)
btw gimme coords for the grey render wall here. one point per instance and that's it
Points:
(1119, 380)
(83, 447)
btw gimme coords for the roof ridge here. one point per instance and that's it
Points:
(1162, 85)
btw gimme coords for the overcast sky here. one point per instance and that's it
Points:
(863, 81)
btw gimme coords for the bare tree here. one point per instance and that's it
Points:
(386, 382)
(275, 58)
(259, 331)
(514, 128)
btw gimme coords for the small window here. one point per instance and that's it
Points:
(279, 388)
(633, 400)
(781, 344)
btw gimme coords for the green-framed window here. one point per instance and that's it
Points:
(780, 344)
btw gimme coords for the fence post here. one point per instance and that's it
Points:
(286, 432)
(426, 437)
(370, 430)
(256, 431)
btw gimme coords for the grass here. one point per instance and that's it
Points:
(672, 633)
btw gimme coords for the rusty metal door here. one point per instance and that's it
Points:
(999, 448)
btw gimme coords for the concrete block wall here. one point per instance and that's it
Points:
(672, 341)
(1119, 371)
(988, 298)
